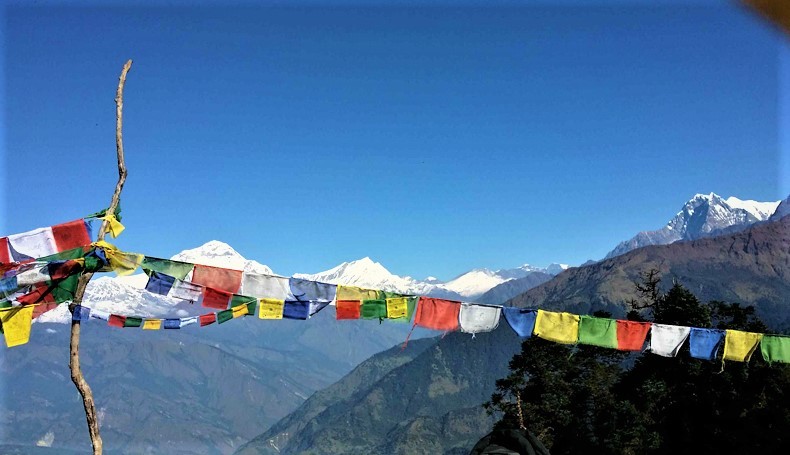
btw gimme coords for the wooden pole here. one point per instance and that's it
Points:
(74, 348)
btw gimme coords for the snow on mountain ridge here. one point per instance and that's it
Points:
(220, 254)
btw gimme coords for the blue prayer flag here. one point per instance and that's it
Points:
(81, 313)
(172, 323)
(159, 283)
(311, 291)
(521, 320)
(296, 310)
(8, 285)
(704, 343)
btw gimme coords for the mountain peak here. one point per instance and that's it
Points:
(220, 254)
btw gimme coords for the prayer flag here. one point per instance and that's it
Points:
(32, 273)
(631, 335)
(239, 311)
(60, 270)
(704, 343)
(175, 269)
(99, 314)
(152, 324)
(474, 318)
(185, 290)
(8, 285)
(215, 298)
(174, 323)
(32, 244)
(397, 308)
(42, 308)
(80, 313)
(249, 302)
(70, 235)
(355, 293)
(227, 280)
(116, 321)
(16, 324)
(207, 319)
(224, 316)
(121, 262)
(311, 291)
(131, 321)
(775, 348)
(271, 309)
(296, 310)
(348, 309)
(666, 340)
(373, 309)
(265, 286)
(437, 314)
(5, 253)
(598, 331)
(188, 321)
(739, 345)
(159, 283)
(558, 327)
(521, 320)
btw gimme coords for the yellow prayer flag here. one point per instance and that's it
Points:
(152, 324)
(397, 308)
(240, 310)
(355, 293)
(122, 263)
(16, 324)
(115, 226)
(558, 327)
(270, 309)
(739, 345)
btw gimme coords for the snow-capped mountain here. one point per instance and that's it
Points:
(705, 215)
(370, 274)
(219, 254)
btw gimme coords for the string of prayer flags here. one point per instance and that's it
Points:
(704, 343)
(775, 348)
(475, 318)
(597, 331)
(631, 335)
(521, 320)
(271, 309)
(437, 314)
(666, 340)
(265, 286)
(739, 345)
(16, 323)
(557, 327)
(227, 280)
(152, 324)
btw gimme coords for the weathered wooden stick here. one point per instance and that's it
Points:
(74, 358)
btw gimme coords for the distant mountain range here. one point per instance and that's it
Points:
(705, 215)
(432, 403)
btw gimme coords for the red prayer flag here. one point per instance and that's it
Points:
(116, 321)
(214, 298)
(41, 293)
(5, 254)
(73, 234)
(217, 278)
(348, 309)
(631, 335)
(59, 271)
(437, 314)
(207, 319)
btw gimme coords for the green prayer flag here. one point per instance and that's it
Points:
(5, 304)
(132, 322)
(775, 348)
(64, 290)
(598, 331)
(175, 269)
(251, 303)
(67, 255)
(374, 309)
(224, 316)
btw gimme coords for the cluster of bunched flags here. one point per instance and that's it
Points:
(40, 270)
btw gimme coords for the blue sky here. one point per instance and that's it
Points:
(432, 139)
